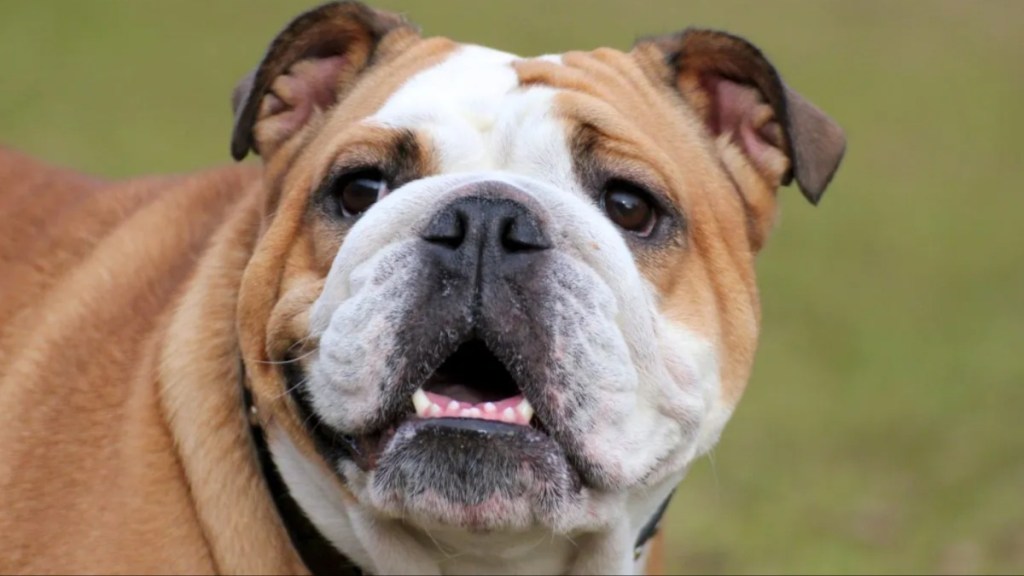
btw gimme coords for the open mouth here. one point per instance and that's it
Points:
(471, 389)
(473, 383)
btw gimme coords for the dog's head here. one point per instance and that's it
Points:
(504, 294)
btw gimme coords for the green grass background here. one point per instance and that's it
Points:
(883, 430)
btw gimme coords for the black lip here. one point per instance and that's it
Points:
(482, 427)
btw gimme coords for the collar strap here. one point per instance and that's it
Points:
(319, 555)
(650, 530)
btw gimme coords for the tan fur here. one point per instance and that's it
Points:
(655, 564)
(116, 325)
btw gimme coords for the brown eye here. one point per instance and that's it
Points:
(629, 207)
(357, 192)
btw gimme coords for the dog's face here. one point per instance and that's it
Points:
(506, 294)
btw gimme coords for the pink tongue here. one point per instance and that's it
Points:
(506, 410)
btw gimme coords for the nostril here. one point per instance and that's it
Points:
(483, 224)
(447, 229)
(522, 234)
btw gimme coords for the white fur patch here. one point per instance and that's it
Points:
(480, 119)
(317, 494)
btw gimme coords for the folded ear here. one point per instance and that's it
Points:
(738, 93)
(302, 70)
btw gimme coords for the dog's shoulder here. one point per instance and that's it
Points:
(91, 274)
(30, 191)
(56, 222)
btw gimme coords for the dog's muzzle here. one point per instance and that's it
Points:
(470, 411)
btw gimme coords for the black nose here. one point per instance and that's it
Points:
(497, 227)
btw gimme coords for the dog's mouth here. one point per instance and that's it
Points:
(472, 383)
(471, 390)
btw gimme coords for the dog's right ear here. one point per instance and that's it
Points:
(302, 70)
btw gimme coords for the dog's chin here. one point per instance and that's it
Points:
(475, 474)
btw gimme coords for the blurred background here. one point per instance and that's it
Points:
(883, 429)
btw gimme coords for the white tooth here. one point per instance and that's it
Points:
(525, 410)
(453, 406)
(421, 402)
(465, 413)
(490, 408)
(508, 415)
(474, 412)
(435, 410)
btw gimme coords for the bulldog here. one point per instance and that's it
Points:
(471, 313)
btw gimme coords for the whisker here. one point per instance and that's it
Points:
(541, 541)
(289, 389)
(445, 553)
(714, 473)
(290, 360)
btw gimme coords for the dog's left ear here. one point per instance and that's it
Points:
(302, 71)
(738, 93)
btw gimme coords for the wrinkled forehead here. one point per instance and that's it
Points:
(569, 120)
(478, 116)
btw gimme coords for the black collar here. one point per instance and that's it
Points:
(319, 555)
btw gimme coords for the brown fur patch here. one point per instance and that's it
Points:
(114, 334)
(655, 565)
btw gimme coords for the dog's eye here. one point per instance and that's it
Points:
(356, 192)
(629, 207)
